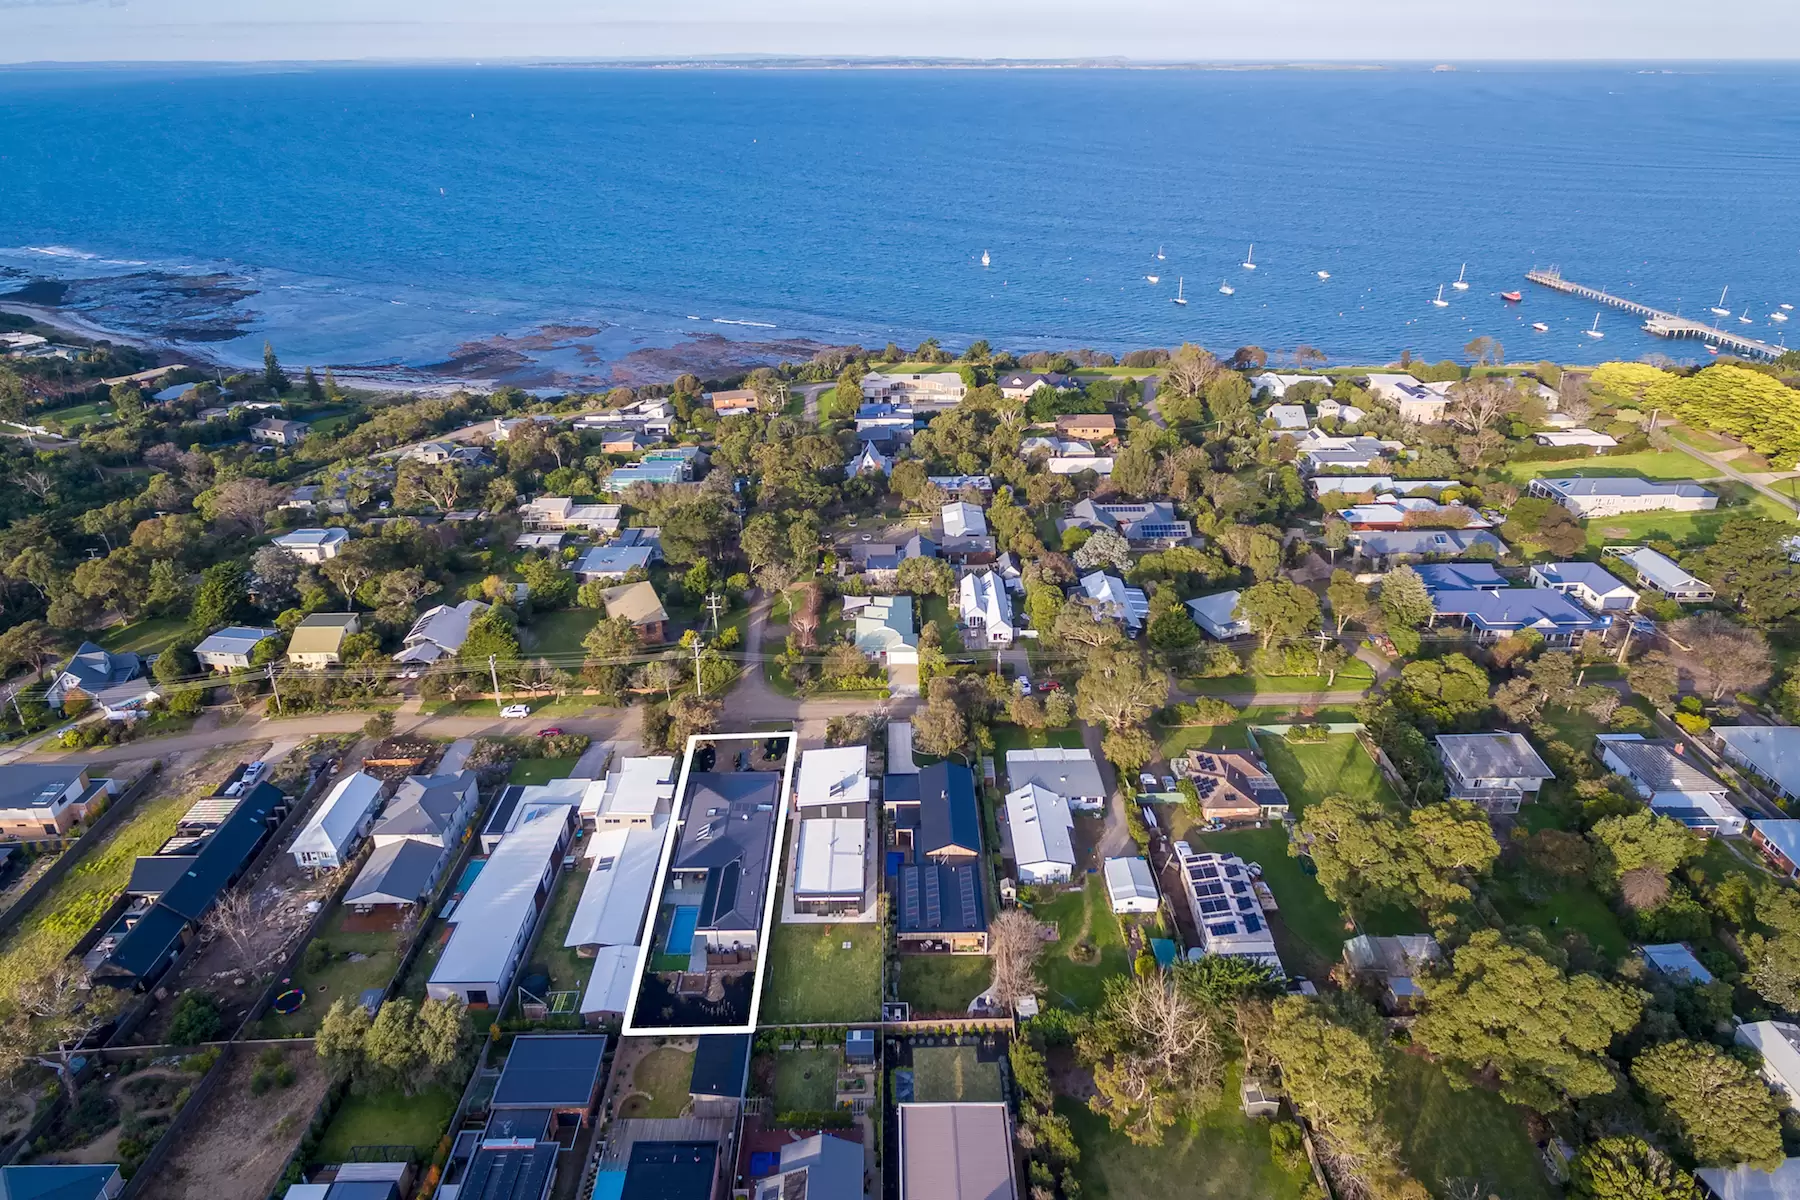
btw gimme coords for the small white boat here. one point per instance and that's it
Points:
(1225, 289)
(1440, 302)
(985, 260)
(1154, 278)
(1324, 274)
(1744, 317)
(1719, 309)
(1461, 285)
(1777, 315)
(1787, 308)
(1249, 263)
(1595, 331)
(1540, 327)
(1180, 285)
(1159, 254)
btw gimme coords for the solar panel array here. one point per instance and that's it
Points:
(934, 910)
(909, 896)
(965, 880)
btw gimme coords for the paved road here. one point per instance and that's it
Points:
(812, 392)
(1723, 465)
(753, 698)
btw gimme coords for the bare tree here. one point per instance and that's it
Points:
(1016, 941)
(1478, 406)
(245, 503)
(1720, 655)
(64, 1009)
(1190, 369)
(1644, 887)
(236, 918)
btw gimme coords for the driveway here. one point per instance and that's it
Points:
(1115, 840)
(1760, 483)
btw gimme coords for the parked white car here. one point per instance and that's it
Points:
(516, 712)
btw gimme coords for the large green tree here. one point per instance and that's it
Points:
(1628, 1168)
(1749, 563)
(1278, 608)
(1510, 1008)
(1721, 1110)
(1119, 689)
(1369, 855)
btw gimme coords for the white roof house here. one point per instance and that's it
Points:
(829, 857)
(1214, 614)
(633, 792)
(493, 921)
(986, 608)
(609, 988)
(439, 632)
(1116, 600)
(962, 519)
(1420, 403)
(1043, 834)
(340, 819)
(1779, 1044)
(885, 624)
(231, 647)
(1070, 772)
(1772, 751)
(617, 892)
(1673, 785)
(1657, 570)
(314, 545)
(1610, 496)
(1590, 583)
(1287, 416)
(1380, 485)
(1131, 886)
(836, 775)
(1577, 437)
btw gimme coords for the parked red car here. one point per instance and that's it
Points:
(553, 731)
(1050, 685)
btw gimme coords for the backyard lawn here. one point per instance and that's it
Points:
(378, 956)
(1311, 771)
(806, 1080)
(559, 632)
(1650, 464)
(567, 970)
(660, 1084)
(152, 635)
(953, 1074)
(1008, 736)
(1222, 1156)
(1084, 915)
(812, 978)
(943, 984)
(937, 611)
(1356, 675)
(1471, 1134)
(1306, 914)
(1686, 528)
(387, 1118)
(1576, 908)
(539, 771)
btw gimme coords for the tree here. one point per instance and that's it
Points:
(1016, 942)
(243, 503)
(236, 918)
(1081, 622)
(63, 1009)
(1368, 856)
(1722, 656)
(939, 726)
(275, 380)
(1119, 689)
(1190, 369)
(1773, 957)
(1105, 548)
(1477, 406)
(1403, 601)
(1641, 839)
(1155, 1054)
(1748, 564)
(352, 567)
(1332, 1073)
(1542, 1030)
(1628, 1168)
(1443, 691)
(445, 1038)
(612, 639)
(30, 644)
(490, 635)
(1720, 1109)
(1349, 599)
(550, 586)
(1278, 608)
(393, 1057)
(925, 576)
(221, 596)
(1654, 678)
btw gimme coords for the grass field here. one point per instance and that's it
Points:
(812, 978)
(152, 635)
(950, 1074)
(46, 934)
(1576, 909)
(540, 771)
(943, 984)
(387, 1119)
(559, 632)
(1356, 675)
(1016, 737)
(1311, 771)
(661, 1079)
(1087, 913)
(1448, 1135)
(567, 970)
(1687, 528)
(806, 1080)
(340, 977)
(1222, 1156)
(1651, 464)
(937, 611)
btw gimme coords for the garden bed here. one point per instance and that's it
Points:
(238, 1144)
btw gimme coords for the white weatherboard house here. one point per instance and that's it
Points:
(1113, 598)
(439, 632)
(1657, 570)
(1130, 886)
(1587, 582)
(985, 609)
(1772, 751)
(633, 792)
(314, 545)
(1214, 614)
(230, 648)
(1607, 496)
(341, 818)
(1043, 834)
(1071, 773)
(493, 921)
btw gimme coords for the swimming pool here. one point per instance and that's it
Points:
(681, 930)
(468, 876)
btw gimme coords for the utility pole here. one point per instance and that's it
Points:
(713, 605)
(494, 674)
(1625, 642)
(698, 647)
(274, 688)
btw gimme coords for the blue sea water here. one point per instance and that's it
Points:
(391, 216)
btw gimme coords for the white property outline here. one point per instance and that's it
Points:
(662, 881)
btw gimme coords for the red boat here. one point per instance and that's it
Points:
(1513, 297)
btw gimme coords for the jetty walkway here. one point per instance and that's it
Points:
(1658, 322)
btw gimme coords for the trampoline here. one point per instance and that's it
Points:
(288, 1003)
(680, 939)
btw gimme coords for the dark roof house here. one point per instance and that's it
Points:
(949, 822)
(728, 831)
(721, 1066)
(557, 1071)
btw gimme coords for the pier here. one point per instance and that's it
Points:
(1658, 322)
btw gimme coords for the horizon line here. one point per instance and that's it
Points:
(815, 61)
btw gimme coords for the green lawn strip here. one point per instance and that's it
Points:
(772, 671)
(1177, 740)
(943, 984)
(559, 632)
(1447, 1134)
(1310, 771)
(1310, 921)
(806, 1080)
(1725, 855)
(387, 1118)
(339, 977)
(812, 978)
(1686, 528)
(952, 1074)
(152, 635)
(568, 971)
(46, 934)
(663, 1075)
(425, 963)
(937, 611)
(1650, 464)
(1073, 984)
(1710, 442)
(540, 771)
(1232, 685)
(1222, 1156)
(1571, 908)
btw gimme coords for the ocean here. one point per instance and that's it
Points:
(567, 226)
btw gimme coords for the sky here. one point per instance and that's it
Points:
(1191, 30)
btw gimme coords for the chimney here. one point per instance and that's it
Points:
(1681, 747)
